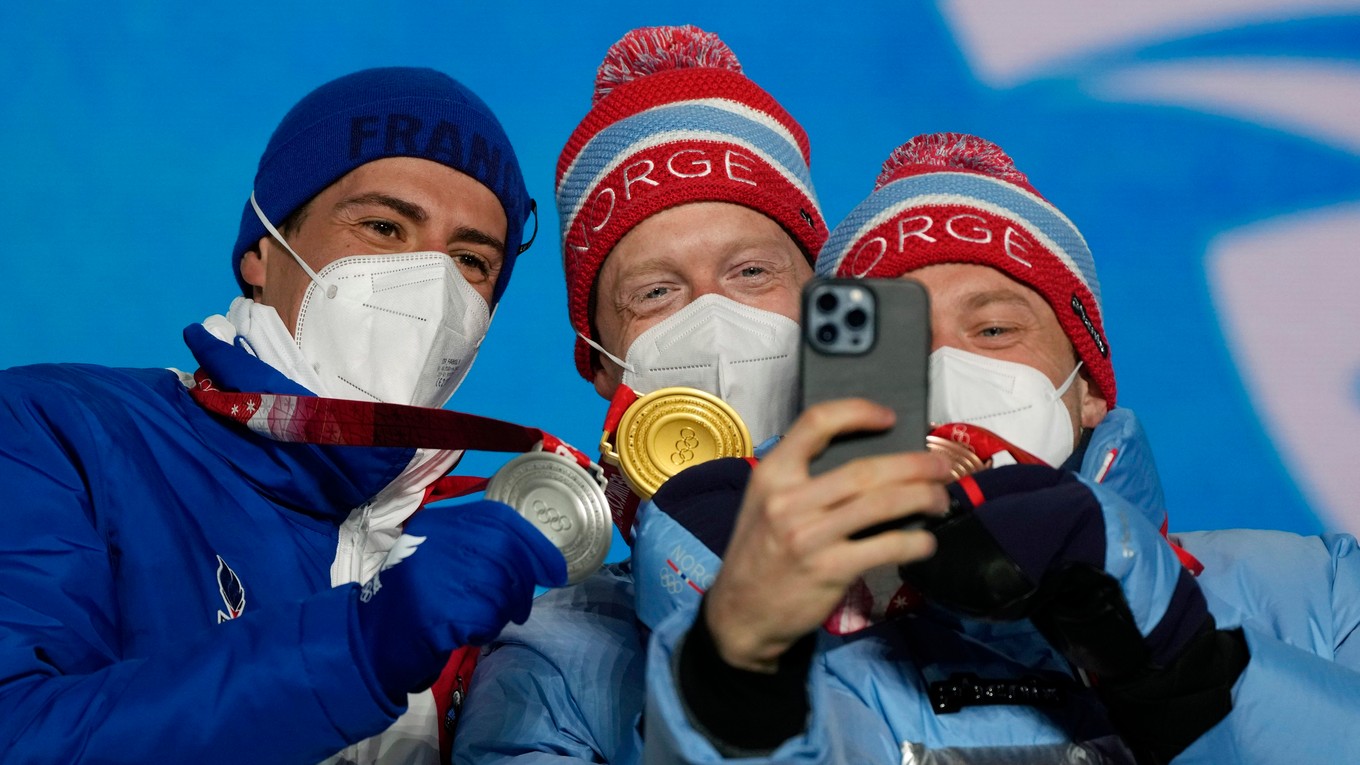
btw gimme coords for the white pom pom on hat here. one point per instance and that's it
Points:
(649, 50)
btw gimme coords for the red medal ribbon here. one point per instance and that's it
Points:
(623, 501)
(340, 422)
(982, 442)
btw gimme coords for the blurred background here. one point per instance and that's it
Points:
(1208, 149)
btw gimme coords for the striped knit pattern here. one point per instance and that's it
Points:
(668, 138)
(922, 215)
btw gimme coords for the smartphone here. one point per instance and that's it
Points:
(867, 338)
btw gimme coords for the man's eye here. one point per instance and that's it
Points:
(655, 292)
(383, 227)
(753, 271)
(993, 331)
(474, 263)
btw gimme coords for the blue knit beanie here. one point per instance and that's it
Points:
(377, 113)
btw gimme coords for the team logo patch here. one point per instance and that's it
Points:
(232, 591)
(685, 570)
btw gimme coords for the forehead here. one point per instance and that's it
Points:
(695, 236)
(436, 185)
(969, 285)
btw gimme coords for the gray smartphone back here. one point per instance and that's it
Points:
(890, 368)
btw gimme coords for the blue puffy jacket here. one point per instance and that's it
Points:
(165, 576)
(1296, 598)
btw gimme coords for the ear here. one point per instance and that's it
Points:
(253, 266)
(1093, 407)
(608, 377)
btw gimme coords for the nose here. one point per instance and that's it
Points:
(707, 285)
(428, 242)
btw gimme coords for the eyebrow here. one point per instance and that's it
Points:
(418, 214)
(477, 236)
(408, 209)
(983, 299)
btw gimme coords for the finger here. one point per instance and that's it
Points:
(807, 538)
(887, 506)
(818, 424)
(872, 473)
(851, 559)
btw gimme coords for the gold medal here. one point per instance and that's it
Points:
(671, 429)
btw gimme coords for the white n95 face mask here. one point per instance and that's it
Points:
(745, 356)
(400, 329)
(1015, 401)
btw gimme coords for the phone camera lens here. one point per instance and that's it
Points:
(855, 318)
(827, 333)
(827, 302)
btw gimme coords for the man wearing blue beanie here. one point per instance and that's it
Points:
(179, 575)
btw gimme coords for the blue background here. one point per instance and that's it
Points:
(129, 135)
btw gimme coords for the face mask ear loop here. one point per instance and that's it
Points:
(328, 289)
(626, 366)
(1068, 382)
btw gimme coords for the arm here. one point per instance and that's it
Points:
(67, 694)
(520, 708)
(567, 686)
(793, 554)
(293, 683)
(1289, 705)
(836, 728)
(1296, 699)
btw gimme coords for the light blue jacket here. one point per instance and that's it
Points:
(566, 686)
(1296, 598)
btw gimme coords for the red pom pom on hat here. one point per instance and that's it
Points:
(649, 50)
(957, 151)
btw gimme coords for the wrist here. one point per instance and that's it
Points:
(735, 640)
(742, 712)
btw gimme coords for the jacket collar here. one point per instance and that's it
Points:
(1119, 457)
(320, 481)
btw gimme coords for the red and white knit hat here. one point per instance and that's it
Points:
(957, 198)
(674, 121)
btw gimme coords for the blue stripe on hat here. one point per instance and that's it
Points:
(617, 139)
(1038, 214)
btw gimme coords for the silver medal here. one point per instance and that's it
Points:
(564, 501)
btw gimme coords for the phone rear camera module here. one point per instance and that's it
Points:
(839, 318)
(827, 302)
